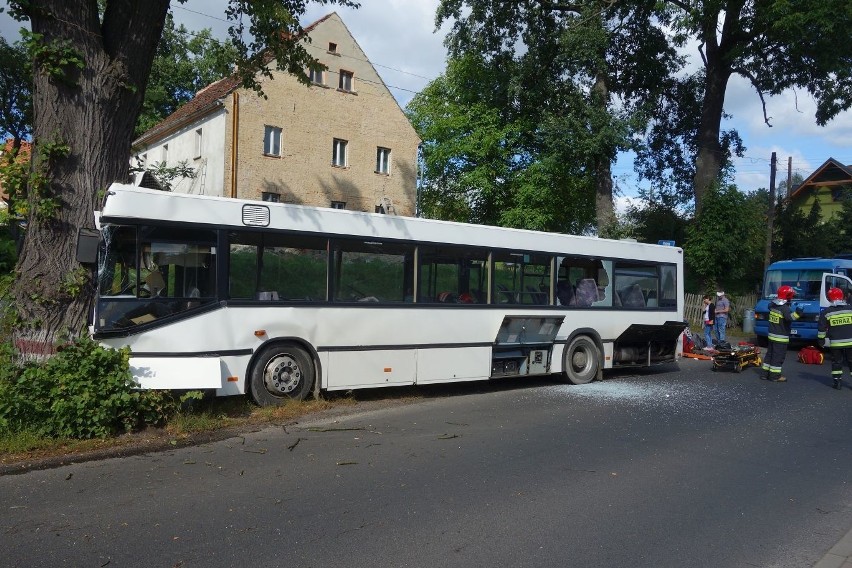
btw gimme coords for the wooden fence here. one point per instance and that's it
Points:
(693, 309)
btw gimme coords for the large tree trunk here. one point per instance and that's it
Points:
(719, 51)
(83, 128)
(708, 163)
(604, 209)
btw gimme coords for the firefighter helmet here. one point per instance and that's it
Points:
(786, 292)
(835, 294)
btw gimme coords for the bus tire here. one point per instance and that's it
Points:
(282, 372)
(581, 360)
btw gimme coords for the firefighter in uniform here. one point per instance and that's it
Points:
(780, 317)
(835, 323)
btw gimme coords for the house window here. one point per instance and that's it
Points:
(332, 47)
(316, 77)
(271, 141)
(346, 79)
(383, 160)
(271, 197)
(198, 143)
(338, 157)
(165, 154)
(338, 205)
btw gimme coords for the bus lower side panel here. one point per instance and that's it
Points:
(351, 369)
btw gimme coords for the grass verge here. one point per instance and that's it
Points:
(195, 423)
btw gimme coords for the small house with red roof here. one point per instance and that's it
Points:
(342, 141)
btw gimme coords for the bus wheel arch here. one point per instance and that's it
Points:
(282, 370)
(582, 359)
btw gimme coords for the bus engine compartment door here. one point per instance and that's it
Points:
(646, 345)
(524, 345)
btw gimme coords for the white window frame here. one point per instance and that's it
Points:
(346, 83)
(383, 157)
(198, 141)
(338, 205)
(271, 140)
(317, 76)
(339, 153)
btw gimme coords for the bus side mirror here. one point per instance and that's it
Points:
(87, 245)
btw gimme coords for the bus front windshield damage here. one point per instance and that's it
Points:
(806, 283)
(149, 273)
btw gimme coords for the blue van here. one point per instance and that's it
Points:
(810, 278)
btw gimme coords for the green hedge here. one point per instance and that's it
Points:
(84, 391)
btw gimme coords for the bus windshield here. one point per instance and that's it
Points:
(149, 273)
(806, 283)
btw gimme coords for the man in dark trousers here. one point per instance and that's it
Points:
(780, 317)
(835, 323)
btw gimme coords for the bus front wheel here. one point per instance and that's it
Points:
(282, 372)
(581, 360)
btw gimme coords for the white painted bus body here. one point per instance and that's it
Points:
(360, 346)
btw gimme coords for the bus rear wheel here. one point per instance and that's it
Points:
(282, 372)
(581, 360)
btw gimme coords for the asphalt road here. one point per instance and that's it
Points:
(680, 467)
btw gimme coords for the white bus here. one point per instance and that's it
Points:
(280, 300)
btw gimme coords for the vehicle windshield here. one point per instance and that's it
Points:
(149, 273)
(806, 283)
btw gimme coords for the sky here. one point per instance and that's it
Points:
(400, 39)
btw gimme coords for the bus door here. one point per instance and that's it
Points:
(834, 281)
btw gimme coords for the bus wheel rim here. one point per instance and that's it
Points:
(282, 375)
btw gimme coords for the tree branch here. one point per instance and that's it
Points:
(745, 73)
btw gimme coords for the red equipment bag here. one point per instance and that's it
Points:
(811, 355)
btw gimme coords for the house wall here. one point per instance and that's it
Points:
(829, 207)
(182, 146)
(310, 117)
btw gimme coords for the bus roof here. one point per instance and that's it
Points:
(128, 203)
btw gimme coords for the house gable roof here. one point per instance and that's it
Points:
(830, 173)
(205, 101)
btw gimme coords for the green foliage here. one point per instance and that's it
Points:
(16, 103)
(654, 222)
(185, 63)
(74, 281)
(725, 243)
(165, 174)
(571, 81)
(797, 234)
(776, 45)
(83, 391)
(57, 58)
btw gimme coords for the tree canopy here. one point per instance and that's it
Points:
(580, 77)
(186, 61)
(776, 45)
(16, 104)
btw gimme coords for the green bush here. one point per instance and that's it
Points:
(84, 391)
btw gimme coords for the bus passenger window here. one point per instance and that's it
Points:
(372, 271)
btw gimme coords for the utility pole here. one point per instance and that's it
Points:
(771, 212)
(789, 175)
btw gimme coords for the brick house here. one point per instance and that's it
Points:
(341, 142)
(828, 184)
